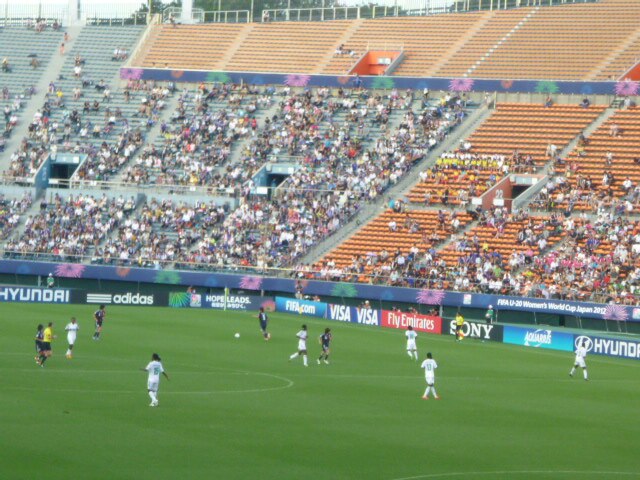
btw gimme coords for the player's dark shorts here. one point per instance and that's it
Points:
(263, 325)
(325, 347)
(458, 328)
(38, 346)
(46, 347)
(98, 323)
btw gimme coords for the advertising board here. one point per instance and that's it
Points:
(538, 338)
(301, 307)
(363, 316)
(420, 323)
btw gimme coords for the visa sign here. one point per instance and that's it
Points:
(420, 323)
(344, 313)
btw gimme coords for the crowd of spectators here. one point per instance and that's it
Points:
(197, 139)
(161, 232)
(265, 233)
(65, 229)
(11, 210)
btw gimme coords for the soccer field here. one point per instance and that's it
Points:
(238, 409)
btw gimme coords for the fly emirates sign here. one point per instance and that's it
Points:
(420, 323)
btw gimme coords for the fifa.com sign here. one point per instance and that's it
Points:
(610, 347)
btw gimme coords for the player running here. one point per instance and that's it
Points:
(264, 319)
(99, 315)
(39, 338)
(302, 346)
(325, 340)
(429, 366)
(581, 354)
(72, 332)
(412, 348)
(154, 368)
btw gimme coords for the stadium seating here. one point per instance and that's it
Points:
(514, 138)
(11, 211)
(68, 229)
(610, 150)
(564, 42)
(85, 112)
(522, 43)
(410, 233)
(23, 48)
(159, 233)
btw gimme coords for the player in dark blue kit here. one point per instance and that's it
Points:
(325, 340)
(262, 317)
(99, 318)
(39, 339)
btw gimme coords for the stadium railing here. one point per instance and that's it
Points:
(399, 9)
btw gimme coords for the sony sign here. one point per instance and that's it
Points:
(483, 331)
(34, 295)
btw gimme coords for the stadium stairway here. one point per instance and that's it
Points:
(592, 127)
(376, 208)
(19, 42)
(95, 44)
(153, 135)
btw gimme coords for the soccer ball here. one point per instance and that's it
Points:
(237, 335)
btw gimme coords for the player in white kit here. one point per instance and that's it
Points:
(302, 346)
(429, 366)
(581, 354)
(72, 333)
(154, 368)
(412, 349)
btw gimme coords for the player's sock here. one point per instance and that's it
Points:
(573, 370)
(304, 360)
(409, 353)
(68, 351)
(426, 392)
(433, 389)
(584, 372)
(43, 359)
(291, 357)
(415, 354)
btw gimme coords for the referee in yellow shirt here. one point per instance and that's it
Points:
(459, 325)
(46, 343)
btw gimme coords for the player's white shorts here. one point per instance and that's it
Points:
(431, 379)
(152, 386)
(411, 345)
(302, 345)
(580, 362)
(71, 339)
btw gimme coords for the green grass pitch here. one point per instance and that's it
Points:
(238, 409)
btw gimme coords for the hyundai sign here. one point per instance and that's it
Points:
(610, 347)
